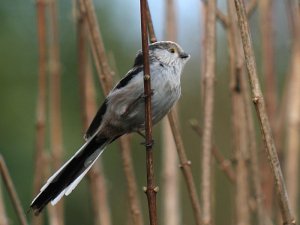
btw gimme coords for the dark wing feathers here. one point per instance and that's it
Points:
(131, 74)
(138, 59)
(96, 121)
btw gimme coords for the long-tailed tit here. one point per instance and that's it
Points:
(122, 112)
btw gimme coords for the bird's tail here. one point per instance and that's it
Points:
(70, 174)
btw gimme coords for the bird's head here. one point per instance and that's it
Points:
(168, 52)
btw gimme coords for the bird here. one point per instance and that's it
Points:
(122, 112)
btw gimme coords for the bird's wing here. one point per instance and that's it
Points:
(96, 122)
(128, 77)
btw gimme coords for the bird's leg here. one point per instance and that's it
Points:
(144, 136)
(151, 93)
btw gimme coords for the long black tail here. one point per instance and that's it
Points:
(70, 174)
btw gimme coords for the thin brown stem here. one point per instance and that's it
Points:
(12, 192)
(209, 79)
(293, 114)
(55, 108)
(171, 188)
(135, 207)
(151, 188)
(265, 8)
(254, 167)
(268, 58)
(101, 208)
(185, 166)
(41, 102)
(240, 148)
(106, 75)
(239, 125)
(259, 103)
(127, 164)
(96, 178)
(237, 69)
(150, 26)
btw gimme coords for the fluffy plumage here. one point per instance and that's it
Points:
(122, 112)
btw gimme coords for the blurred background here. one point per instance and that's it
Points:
(120, 27)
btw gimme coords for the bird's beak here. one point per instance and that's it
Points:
(184, 55)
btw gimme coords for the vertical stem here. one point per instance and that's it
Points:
(151, 32)
(151, 190)
(88, 12)
(171, 190)
(55, 93)
(209, 79)
(12, 192)
(41, 102)
(185, 166)
(101, 209)
(293, 114)
(135, 207)
(266, 9)
(239, 125)
(259, 103)
(106, 75)
(171, 23)
(254, 167)
(96, 178)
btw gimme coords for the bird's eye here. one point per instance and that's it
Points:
(172, 50)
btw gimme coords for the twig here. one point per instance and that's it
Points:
(209, 79)
(185, 166)
(55, 109)
(128, 169)
(259, 103)
(293, 114)
(240, 147)
(41, 102)
(150, 26)
(171, 188)
(225, 164)
(239, 123)
(3, 216)
(135, 207)
(101, 208)
(268, 58)
(254, 167)
(265, 8)
(12, 192)
(170, 21)
(95, 176)
(106, 75)
(237, 66)
(151, 190)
